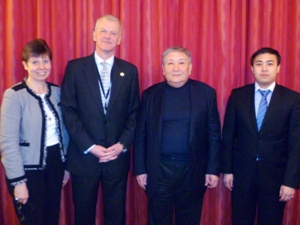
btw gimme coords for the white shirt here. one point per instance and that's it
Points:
(109, 64)
(51, 132)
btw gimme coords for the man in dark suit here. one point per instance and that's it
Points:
(178, 142)
(261, 144)
(100, 115)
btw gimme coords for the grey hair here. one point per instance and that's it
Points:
(176, 49)
(108, 17)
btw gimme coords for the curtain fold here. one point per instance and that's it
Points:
(221, 35)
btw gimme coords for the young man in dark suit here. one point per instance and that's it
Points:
(261, 144)
(178, 142)
(100, 99)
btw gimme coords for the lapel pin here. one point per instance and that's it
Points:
(122, 74)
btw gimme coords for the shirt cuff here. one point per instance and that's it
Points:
(88, 150)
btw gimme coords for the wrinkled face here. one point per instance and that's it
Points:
(107, 36)
(38, 68)
(177, 68)
(265, 69)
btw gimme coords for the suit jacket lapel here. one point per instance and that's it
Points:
(158, 108)
(273, 105)
(250, 107)
(193, 108)
(117, 78)
(92, 77)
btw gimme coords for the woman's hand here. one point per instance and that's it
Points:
(21, 193)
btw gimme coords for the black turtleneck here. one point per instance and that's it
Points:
(176, 123)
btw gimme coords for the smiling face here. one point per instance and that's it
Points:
(177, 68)
(265, 69)
(107, 36)
(38, 68)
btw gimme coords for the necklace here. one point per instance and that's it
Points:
(49, 115)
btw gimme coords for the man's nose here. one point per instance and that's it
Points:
(176, 66)
(107, 35)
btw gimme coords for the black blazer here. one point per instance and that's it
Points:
(277, 143)
(205, 141)
(84, 116)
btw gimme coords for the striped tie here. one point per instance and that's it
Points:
(105, 78)
(105, 86)
(262, 108)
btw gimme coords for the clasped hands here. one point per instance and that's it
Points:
(107, 154)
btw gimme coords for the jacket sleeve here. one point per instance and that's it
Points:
(292, 171)
(139, 153)
(228, 137)
(127, 136)
(11, 115)
(70, 111)
(214, 136)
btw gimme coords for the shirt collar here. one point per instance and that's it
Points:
(98, 60)
(271, 87)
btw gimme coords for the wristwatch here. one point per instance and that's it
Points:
(123, 147)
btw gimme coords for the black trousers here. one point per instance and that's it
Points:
(44, 187)
(175, 192)
(85, 195)
(257, 199)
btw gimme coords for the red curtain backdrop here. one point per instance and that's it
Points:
(221, 35)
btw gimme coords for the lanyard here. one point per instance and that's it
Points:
(106, 95)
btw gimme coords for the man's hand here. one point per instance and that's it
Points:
(228, 180)
(142, 180)
(104, 154)
(286, 193)
(114, 151)
(211, 180)
(21, 193)
(107, 154)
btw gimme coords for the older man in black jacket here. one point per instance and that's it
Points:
(177, 146)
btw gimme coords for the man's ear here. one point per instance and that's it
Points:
(163, 69)
(94, 36)
(190, 68)
(119, 41)
(278, 69)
